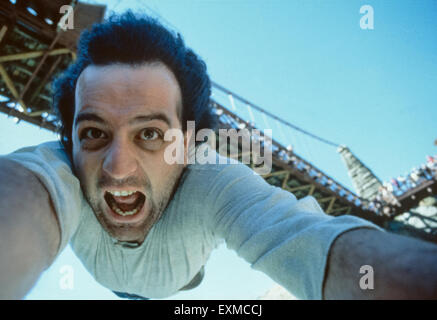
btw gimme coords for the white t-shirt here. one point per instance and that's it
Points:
(287, 239)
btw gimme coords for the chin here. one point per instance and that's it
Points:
(135, 237)
(128, 229)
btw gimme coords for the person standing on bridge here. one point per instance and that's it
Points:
(428, 174)
(431, 163)
(414, 178)
(144, 227)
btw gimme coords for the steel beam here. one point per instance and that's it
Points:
(34, 54)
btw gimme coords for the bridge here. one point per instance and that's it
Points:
(34, 49)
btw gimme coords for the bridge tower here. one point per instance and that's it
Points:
(364, 180)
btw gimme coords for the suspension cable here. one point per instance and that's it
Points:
(288, 124)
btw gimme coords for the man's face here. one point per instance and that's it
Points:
(121, 116)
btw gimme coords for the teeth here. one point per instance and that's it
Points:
(125, 213)
(116, 209)
(122, 193)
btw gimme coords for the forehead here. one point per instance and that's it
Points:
(121, 91)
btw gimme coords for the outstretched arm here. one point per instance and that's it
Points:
(403, 268)
(309, 253)
(29, 231)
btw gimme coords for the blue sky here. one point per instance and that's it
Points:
(310, 63)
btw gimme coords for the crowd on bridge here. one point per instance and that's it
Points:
(386, 199)
(388, 194)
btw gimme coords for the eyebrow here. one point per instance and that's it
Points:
(87, 116)
(150, 117)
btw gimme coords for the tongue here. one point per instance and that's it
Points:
(128, 199)
(127, 203)
(125, 207)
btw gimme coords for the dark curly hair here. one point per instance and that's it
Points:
(133, 40)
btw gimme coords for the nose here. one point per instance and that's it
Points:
(120, 161)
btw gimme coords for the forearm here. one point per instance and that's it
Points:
(403, 268)
(29, 232)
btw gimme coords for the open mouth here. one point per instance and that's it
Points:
(125, 203)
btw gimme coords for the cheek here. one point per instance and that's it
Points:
(85, 166)
(158, 171)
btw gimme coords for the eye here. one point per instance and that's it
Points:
(92, 134)
(151, 139)
(150, 134)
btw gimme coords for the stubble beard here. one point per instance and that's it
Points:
(156, 207)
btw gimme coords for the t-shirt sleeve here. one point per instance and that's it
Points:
(52, 167)
(287, 239)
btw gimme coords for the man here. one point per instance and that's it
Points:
(144, 227)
